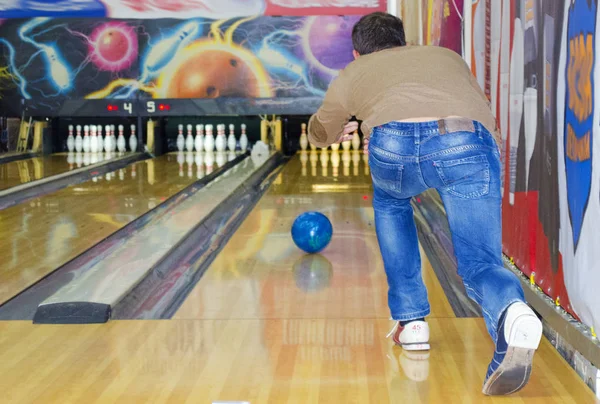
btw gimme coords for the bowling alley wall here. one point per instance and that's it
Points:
(536, 62)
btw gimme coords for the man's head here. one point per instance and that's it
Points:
(377, 31)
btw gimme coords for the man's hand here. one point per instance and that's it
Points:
(348, 132)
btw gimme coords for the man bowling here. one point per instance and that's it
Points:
(427, 124)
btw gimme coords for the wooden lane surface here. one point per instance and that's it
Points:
(261, 273)
(274, 361)
(40, 235)
(23, 171)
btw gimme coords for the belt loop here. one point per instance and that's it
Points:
(442, 126)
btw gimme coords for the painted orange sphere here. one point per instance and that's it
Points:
(212, 73)
(112, 44)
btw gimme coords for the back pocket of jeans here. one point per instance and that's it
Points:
(387, 176)
(467, 177)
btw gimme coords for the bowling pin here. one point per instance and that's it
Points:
(94, 140)
(209, 140)
(100, 138)
(335, 147)
(189, 140)
(114, 138)
(121, 145)
(355, 141)
(70, 140)
(86, 139)
(231, 142)
(346, 145)
(303, 137)
(78, 140)
(107, 145)
(180, 138)
(133, 139)
(243, 139)
(93, 156)
(86, 159)
(220, 141)
(199, 140)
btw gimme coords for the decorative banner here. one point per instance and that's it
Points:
(184, 9)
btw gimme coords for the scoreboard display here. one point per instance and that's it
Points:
(176, 107)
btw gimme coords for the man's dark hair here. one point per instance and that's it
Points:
(378, 31)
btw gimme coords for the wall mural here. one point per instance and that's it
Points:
(184, 9)
(543, 86)
(51, 60)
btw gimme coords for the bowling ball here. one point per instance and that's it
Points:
(312, 232)
(330, 40)
(312, 272)
(211, 71)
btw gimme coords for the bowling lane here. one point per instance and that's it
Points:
(44, 233)
(23, 171)
(261, 274)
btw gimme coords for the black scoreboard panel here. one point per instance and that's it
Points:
(176, 107)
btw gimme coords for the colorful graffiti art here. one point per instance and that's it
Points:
(252, 57)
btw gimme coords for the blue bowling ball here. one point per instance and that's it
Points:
(312, 232)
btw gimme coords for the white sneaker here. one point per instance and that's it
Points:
(414, 336)
(519, 335)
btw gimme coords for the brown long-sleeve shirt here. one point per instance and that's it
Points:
(402, 83)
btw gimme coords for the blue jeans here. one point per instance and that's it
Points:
(464, 166)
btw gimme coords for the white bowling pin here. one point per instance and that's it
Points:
(209, 140)
(231, 142)
(244, 139)
(93, 140)
(71, 157)
(335, 147)
(86, 159)
(113, 141)
(180, 138)
(199, 140)
(133, 139)
(86, 139)
(100, 138)
(220, 141)
(70, 140)
(303, 137)
(79, 159)
(121, 145)
(78, 140)
(189, 140)
(107, 139)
